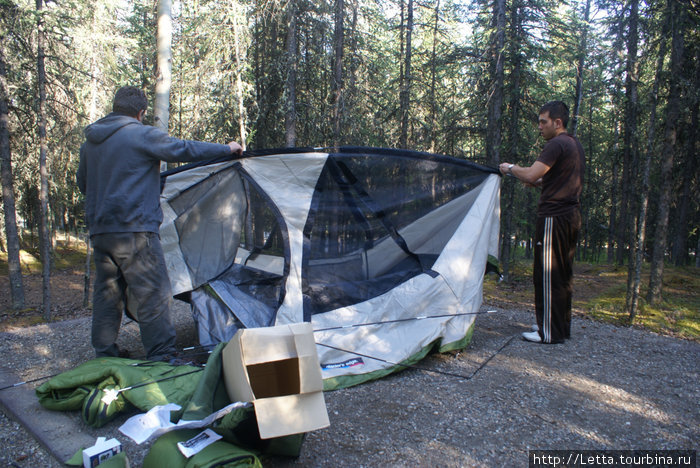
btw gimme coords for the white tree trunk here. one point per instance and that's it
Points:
(164, 75)
(239, 82)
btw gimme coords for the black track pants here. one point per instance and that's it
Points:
(552, 275)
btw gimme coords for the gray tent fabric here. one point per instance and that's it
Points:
(216, 323)
(357, 241)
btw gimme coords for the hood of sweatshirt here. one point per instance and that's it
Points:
(107, 126)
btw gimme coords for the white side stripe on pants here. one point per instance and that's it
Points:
(547, 280)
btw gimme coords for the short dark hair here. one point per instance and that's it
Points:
(129, 100)
(557, 110)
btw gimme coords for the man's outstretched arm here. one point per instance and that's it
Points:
(530, 175)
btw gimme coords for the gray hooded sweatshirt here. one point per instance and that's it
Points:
(119, 172)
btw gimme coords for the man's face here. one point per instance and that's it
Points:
(548, 127)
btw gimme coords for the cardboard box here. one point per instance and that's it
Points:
(277, 369)
(101, 451)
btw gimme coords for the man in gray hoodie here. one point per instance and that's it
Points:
(119, 174)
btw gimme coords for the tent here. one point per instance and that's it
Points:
(383, 251)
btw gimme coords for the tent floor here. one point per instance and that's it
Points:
(608, 387)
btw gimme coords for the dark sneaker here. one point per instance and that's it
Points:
(181, 361)
(174, 359)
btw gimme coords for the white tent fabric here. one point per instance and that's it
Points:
(457, 289)
(365, 244)
(290, 182)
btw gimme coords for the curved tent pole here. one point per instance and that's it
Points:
(349, 179)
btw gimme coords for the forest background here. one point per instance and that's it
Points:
(459, 77)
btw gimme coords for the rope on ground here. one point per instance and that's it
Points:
(18, 384)
(483, 364)
(424, 369)
(408, 319)
(143, 363)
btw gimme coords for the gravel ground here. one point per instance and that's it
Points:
(607, 388)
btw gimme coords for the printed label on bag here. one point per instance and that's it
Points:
(198, 443)
(343, 365)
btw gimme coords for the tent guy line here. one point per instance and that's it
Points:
(413, 366)
(111, 394)
(422, 317)
(19, 384)
(382, 322)
(192, 348)
(135, 364)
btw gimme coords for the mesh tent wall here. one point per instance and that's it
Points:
(361, 242)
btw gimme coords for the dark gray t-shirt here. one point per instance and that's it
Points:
(563, 183)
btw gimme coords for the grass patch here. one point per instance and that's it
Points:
(68, 254)
(678, 314)
(21, 319)
(600, 291)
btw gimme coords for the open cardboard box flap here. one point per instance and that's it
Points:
(277, 369)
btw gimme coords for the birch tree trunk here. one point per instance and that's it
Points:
(579, 70)
(339, 41)
(405, 92)
(352, 43)
(290, 118)
(612, 228)
(495, 101)
(239, 80)
(94, 71)
(666, 155)
(614, 155)
(164, 37)
(45, 238)
(8, 192)
(433, 79)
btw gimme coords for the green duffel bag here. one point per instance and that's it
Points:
(164, 452)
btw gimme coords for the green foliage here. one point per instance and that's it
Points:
(599, 293)
(68, 254)
(677, 315)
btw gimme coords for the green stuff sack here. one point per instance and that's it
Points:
(140, 384)
(164, 452)
(239, 427)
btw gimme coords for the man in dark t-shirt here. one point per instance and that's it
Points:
(559, 171)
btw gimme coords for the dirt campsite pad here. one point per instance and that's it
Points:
(609, 388)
